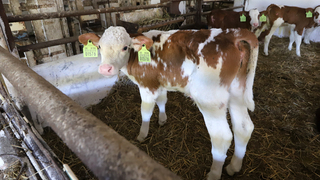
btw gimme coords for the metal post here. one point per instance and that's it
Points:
(104, 151)
(199, 11)
(7, 30)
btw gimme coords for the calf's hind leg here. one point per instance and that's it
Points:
(220, 135)
(161, 102)
(242, 127)
(213, 109)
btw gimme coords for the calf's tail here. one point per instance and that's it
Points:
(251, 39)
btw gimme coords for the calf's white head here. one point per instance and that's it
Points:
(254, 13)
(115, 47)
(316, 15)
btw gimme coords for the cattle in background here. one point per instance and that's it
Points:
(264, 26)
(230, 19)
(296, 18)
(214, 67)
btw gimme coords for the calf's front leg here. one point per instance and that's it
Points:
(298, 39)
(147, 105)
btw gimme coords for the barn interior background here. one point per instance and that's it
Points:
(43, 35)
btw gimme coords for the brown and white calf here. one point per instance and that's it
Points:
(214, 67)
(296, 18)
(230, 19)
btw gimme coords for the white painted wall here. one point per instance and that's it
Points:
(283, 31)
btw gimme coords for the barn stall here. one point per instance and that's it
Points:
(283, 145)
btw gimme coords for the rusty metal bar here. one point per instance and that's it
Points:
(47, 44)
(208, 12)
(6, 29)
(148, 27)
(40, 16)
(225, 9)
(104, 151)
(107, 2)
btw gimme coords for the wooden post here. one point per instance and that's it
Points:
(64, 26)
(199, 10)
(30, 58)
(75, 26)
(45, 30)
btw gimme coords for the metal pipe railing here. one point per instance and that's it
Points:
(45, 44)
(107, 154)
(39, 16)
(208, 12)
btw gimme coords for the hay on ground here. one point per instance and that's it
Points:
(284, 144)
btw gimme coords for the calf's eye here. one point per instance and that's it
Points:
(125, 48)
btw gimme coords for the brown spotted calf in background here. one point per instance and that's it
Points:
(230, 19)
(296, 18)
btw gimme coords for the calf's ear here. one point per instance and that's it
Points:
(138, 41)
(89, 36)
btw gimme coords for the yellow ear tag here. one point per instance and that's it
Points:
(243, 18)
(144, 54)
(90, 50)
(263, 18)
(309, 14)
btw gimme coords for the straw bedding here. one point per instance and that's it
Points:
(284, 144)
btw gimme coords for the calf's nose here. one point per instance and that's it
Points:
(255, 24)
(106, 69)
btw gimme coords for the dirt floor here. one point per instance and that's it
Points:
(284, 144)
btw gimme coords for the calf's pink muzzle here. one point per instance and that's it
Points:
(255, 24)
(106, 70)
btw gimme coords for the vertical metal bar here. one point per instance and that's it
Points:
(244, 5)
(199, 10)
(7, 31)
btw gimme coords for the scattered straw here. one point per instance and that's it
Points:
(15, 170)
(284, 144)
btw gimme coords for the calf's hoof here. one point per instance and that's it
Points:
(213, 176)
(306, 42)
(141, 137)
(162, 119)
(230, 170)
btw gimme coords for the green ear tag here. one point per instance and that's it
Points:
(90, 50)
(243, 18)
(309, 14)
(263, 18)
(144, 54)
